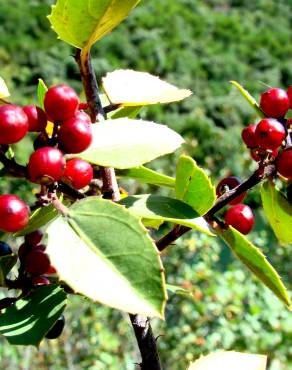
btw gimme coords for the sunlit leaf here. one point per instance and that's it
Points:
(6, 264)
(145, 175)
(193, 186)
(103, 251)
(165, 209)
(131, 88)
(230, 361)
(125, 143)
(4, 92)
(29, 319)
(41, 92)
(249, 98)
(255, 261)
(278, 211)
(130, 112)
(82, 23)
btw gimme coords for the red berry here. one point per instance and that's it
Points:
(284, 163)
(75, 135)
(13, 124)
(14, 213)
(248, 136)
(80, 115)
(289, 93)
(51, 270)
(83, 106)
(33, 238)
(274, 103)
(46, 165)
(37, 118)
(40, 280)
(240, 217)
(78, 173)
(61, 102)
(36, 262)
(270, 133)
(227, 184)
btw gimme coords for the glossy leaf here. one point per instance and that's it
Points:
(40, 217)
(41, 92)
(130, 112)
(278, 211)
(6, 264)
(4, 92)
(125, 143)
(131, 88)
(255, 261)
(230, 361)
(249, 98)
(82, 23)
(145, 175)
(193, 186)
(165, 209)
(29, 319)
(103, 252)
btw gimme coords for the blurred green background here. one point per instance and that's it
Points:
(196, 44)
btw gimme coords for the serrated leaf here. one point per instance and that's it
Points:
(165, 209)
(82, 23)
(278, 211)
(4, 92)
(131, 88)
(125, 143)
(230, 361)
(29, 319)
(193, 186)
(147, 176)
(103, 252)
(129, 112)
(249, 98)
(255, 261)
(40, 217)
(41, 92)
(6, 264)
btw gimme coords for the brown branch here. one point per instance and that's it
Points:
(11, 167)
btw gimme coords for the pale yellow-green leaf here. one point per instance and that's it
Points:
(131, 88)
(4, 92)
(83, 22)
(230, 361)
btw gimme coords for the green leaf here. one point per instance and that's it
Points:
(104, 252)
(165, 209)
(40, 217)
(125, 143)
(4, 92)
(29, 319)
(174, 289)
(6, 264)
(249, 98)
(130, 112)
(193, 186)
(41, 92)
(154, 224)
(255, 261)
(82, 23)
(278, 211)
(148, 176)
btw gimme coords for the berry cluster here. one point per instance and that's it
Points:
(72, 133)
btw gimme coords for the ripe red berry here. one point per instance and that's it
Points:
(240, 217)
(83, 106)
(284, 163)
(13, 124)
(40, 281)
(274, 103)
(61, 102)
(51, 270)
(289, 93)
(36, 262)
(33, 238)
(75, 135)
(248, 136)
(80, 115)
(227, 184)
(270, 133)
(46, 165)
(78, 173)
(37, 118)
(14, 213)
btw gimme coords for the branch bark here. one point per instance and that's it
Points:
(141, 325)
